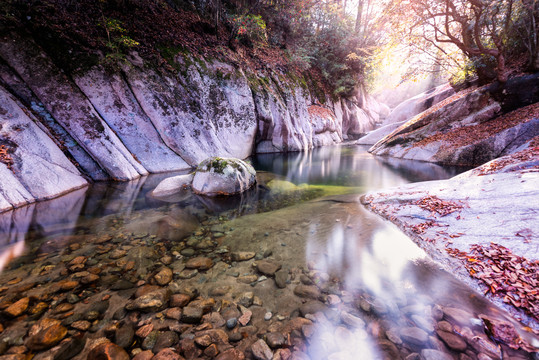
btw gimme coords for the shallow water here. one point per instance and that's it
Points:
(375, 293)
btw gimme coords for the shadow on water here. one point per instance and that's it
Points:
(377, 294)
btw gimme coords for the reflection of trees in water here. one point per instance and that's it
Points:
(340, 248)
(350, 166)
(415, 171)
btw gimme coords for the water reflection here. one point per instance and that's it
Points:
(375, 290)
(406, 302)
(350, 166)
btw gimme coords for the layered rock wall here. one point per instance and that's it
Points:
(137, 120)
(468, 128)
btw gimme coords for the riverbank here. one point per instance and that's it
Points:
(285, 271)
(480, 225)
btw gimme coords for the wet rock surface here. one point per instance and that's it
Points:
(262, 286)
(453, 226)
(223, 176)
(468, 128)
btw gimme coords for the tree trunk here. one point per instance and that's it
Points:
(359, 15)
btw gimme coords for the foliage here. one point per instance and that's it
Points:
(318, 35)
(462, 36)
(117, 41)
(250, 28)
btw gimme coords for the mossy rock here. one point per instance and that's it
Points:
(223, 176)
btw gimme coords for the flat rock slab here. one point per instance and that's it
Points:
(447, 217)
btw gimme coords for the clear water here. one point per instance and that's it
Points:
(304, 215)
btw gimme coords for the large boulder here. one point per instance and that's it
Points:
(223, 176)
(466, 129)
(326, 128)
(489, 205)
(204, 110)
(372, 137)
(32, 167)
(282, 114)
(70, 107)
(175, 187)
(419, 103)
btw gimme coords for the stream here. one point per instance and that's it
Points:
(296, 262)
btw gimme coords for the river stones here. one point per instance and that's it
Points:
(17, 308)
(242, 255)
(192, 314)
(245, 317)
(459, 316)
(107, 351)
(430, 354)
(124, 336)
(455, 342)
(414, 335)
(223, 176)
(281, 278)
(164, 276)
(153, 301)
(261, 350)
(144, 355)
(307, 291)
(275, 340)
(246, 299)
(267, 267)
(199, 263)
(165, 340)
(167, 354)
(173, 313)
(81, 325)
(45, 334)
(312, 307)
(179, 300)
(144, 330)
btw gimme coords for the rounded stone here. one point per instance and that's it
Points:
(165, 340)
(231, 323)
(430, 354)
(414, 335)
(45, 334)
(108, 351)
(167, 354)
(200, 263)
(223, 176)
(455, 342)
(307, 291)
(191, 315)
(267, 267)
(275, 340)
(17, 308)
(124, 336)
(242, 255)
(261, 350)
(164, 276)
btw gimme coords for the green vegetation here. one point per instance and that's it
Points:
(335, 47)
(117, 43)
(218, 165)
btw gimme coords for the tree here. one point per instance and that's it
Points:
(479, 28)
(528, 29)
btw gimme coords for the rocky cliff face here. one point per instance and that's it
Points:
(141, 120)
(468, 128)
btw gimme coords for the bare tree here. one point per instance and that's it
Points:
(479, 28)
